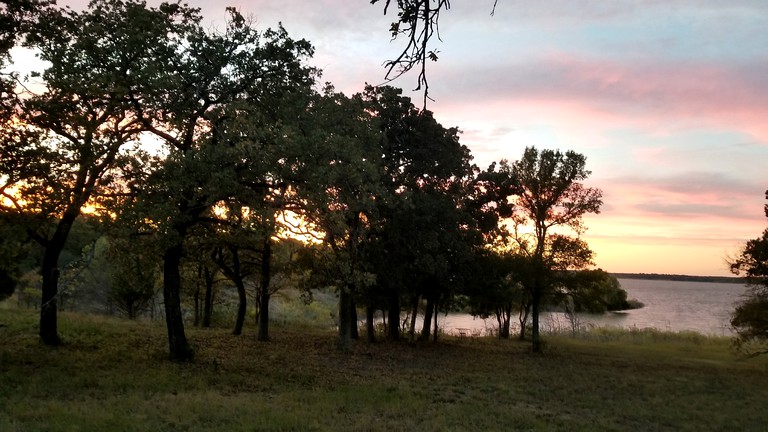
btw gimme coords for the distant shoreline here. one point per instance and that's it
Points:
(677, 277)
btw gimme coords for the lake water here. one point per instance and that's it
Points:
(702, 307)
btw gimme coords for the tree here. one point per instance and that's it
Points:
(60, 146)
(495, 288)
(229, 261)
(552, 199)
(202, 276)
(750, 318)
(425, 173)
(341, 182)
(241, 249)
(135, 275)
(111, 274)
(219, 102)
(494, 280)
(426, 245)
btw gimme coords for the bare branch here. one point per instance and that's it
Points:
(418, 21)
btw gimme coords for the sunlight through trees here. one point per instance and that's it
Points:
(248, 154)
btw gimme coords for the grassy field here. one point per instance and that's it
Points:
(112, 375)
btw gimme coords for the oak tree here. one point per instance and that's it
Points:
(218, 101)
(426, 173)
(341, 185)
(548, 220)
(63, 141)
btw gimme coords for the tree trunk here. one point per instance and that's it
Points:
(242, 301)
(414, 312)
(132, 309)
(504, 334)
(535, 303)
(499, 322)
(49, 333)
(354, 330)
(369, 325)
(198, 306)
(435, 329)
(426, 327)
(208, 297)
(345, 319)
(503, 316)
(177, 340)
(525, 312)
(266, 257)
(242, 304)
(393, 325)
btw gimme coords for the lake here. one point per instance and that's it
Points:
(702, 307)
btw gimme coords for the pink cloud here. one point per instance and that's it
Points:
(687, 90)
(676, 95)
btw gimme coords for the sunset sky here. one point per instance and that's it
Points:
(667, 99)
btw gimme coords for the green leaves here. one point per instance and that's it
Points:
(749, 317)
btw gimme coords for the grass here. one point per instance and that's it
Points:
(113, 375)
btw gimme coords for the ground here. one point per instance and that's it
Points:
(114, 375)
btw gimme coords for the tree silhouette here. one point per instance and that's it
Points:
(552, 198)
(750, 318)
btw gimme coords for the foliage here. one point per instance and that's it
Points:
(417, 22)
(134, 277)
(547, 221)
(496, 288)
(202, 147)
(28, 291)
(15, 254)
(17, 18)
(595, 291)
(750, 318)
(15, 15)
(7, 284)
(60, 147)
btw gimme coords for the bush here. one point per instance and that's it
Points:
(596, 291)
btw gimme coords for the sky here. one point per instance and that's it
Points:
(667, 99)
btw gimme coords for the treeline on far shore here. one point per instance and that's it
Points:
(677, 277)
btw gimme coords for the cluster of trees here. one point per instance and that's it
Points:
(202, 152)
(417, 23)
